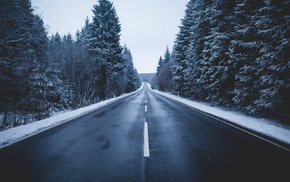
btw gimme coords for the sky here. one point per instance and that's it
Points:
(148, 26)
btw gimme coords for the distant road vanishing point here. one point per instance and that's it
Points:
(144, 137)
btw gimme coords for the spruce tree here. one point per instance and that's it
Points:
(105, 47)
(16, 54)
(197, 62)
(160, 65)
(164, 75)
(167, 55)
(130, 80)
(273, 24)
(218, 70)
(181, 46)
(244, 52)
(28, 91)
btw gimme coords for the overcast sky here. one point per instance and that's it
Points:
(148, 26)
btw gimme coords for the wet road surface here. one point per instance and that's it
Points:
(114, 144)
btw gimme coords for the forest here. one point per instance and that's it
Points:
(41, 75)
(234, 54)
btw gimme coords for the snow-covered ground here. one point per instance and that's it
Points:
(13, 135)
(266, 127)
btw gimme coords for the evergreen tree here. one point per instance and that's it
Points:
(87, 71)
(130, 80)
(40, 88)
(167, 55)
(27, 93)
(164, 78)
(219, 80)
(56, 56)
(197, 61)
(160, 65)
(105, 47)
(235, 53)
(244, 52)
(180, 48)
(16, 55)
(39, 76)
(273, 24)
(164, 75)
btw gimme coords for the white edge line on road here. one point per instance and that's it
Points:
(145, 108)
(241, 129)
(229, 124)
(146, 140)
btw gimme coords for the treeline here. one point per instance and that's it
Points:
(235, 53)
(163, 78)
(40, 75)
(147, 77)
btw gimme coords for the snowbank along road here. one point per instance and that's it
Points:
(144, 137)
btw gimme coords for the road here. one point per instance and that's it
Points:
(114, 144)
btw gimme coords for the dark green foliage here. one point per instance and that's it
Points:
(235, 53)
(41, 75)
(163, 77)
(105, 47)
(130, 80)
(29, 90)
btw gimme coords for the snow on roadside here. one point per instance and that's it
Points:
(263, 126)
(13, 135)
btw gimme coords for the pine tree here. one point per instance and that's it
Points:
(130, 79)
(167, 55)
(86, 78)
(164, 78)
(217, 66)
(16, 20)
(42, 95)
(273, 24)
(197, 62)
(28, 92)
(181, 46)
(164, 75)
(244, 52)
(105, 47)
(160, 65)
(235, 53)
(188, 50)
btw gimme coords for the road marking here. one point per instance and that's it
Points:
(240, 128)
(248, 131)
(145, 108)
(146, 140)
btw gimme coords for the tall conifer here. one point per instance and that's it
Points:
(105, 47)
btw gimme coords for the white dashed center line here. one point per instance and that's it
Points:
(146, 140)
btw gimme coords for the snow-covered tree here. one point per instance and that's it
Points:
(105, 47)
(197, 62)
(273, 24)
(218, 73)
(16, 19)
(235, 53)
(130, 79)
(26, 90)
(181, 46)
(244, 52)
(164, 76)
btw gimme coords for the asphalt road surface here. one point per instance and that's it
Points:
(144, 137)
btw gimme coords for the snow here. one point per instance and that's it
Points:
(260, 125)
(10, 136)
(264, 126)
